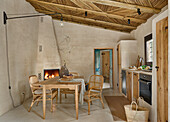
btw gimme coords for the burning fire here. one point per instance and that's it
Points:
(51, 73)
(48, 76)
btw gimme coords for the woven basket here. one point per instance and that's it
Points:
(135, 113)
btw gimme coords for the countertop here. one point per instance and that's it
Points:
(137, 71)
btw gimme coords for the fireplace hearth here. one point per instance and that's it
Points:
(50, 73)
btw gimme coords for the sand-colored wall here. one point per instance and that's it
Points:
(22, 42)
(77, 43)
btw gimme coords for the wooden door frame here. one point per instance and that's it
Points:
(119, 68)
(112, 62)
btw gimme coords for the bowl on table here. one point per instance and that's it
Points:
(67, 78)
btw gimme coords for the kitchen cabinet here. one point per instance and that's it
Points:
(135, 86)
(129, 85)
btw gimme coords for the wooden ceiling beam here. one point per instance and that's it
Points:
(125, 5)
(79, 20)
(93, 25)
(87, 20)
(75, 9)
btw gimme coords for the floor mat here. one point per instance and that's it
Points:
(116, 105)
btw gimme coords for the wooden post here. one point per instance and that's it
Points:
(44, 100)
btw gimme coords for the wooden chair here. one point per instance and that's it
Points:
(67, 91)
(94, 90)
(37, 92)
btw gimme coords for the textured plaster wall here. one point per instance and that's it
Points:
(22, 38)
(77, 43)
(49, 57)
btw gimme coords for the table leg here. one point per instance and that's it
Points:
(76, 101)
(44, 101)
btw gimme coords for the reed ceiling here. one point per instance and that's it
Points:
(108, 14)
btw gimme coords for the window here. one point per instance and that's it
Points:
(148, 50)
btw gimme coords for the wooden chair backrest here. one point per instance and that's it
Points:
(96, 82)
(33, 79)
(74, 73)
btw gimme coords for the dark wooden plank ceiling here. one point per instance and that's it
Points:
(108, 14)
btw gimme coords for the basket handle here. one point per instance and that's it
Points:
(133, 102)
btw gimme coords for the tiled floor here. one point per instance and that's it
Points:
(64, 112)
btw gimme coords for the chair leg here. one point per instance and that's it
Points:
(56, 97)
(31, 105)
(51, 104)
(88, 107)
(37, 103)
(102, 101)
(91, 101)
(38, 100)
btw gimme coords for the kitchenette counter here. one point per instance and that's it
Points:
(132, 83)
(137, 71)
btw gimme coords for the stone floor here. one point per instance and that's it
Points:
(64, 112)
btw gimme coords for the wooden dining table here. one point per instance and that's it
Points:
(54, 83)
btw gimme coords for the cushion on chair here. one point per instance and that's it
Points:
(40, 91)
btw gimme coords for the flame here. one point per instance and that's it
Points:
(46, 75)
(49, 75)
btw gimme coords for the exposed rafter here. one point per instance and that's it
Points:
(81, 4)
(125, 5)
(75, 9)
(92, 22)
(120, 15)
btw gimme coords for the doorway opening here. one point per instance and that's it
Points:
(103, 65)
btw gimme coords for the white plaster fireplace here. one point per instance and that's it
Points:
(48, 57)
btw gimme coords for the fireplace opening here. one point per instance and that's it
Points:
(50, 73)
